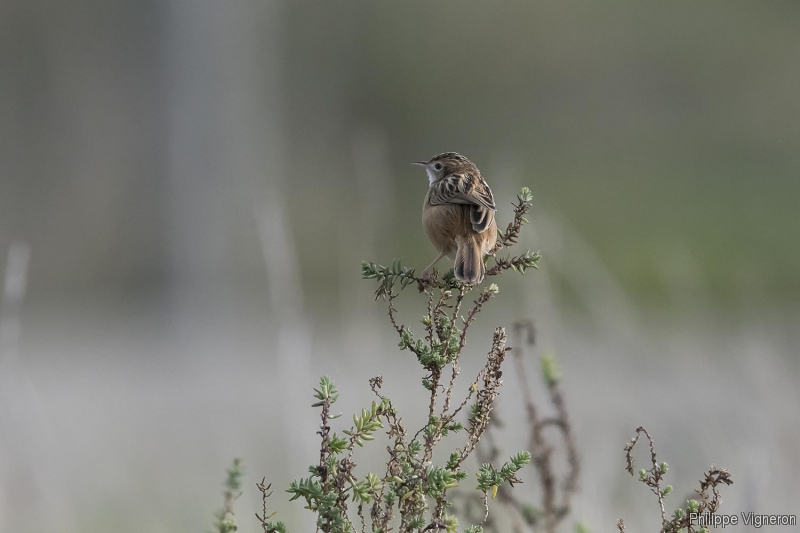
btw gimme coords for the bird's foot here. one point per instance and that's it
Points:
(428, 279)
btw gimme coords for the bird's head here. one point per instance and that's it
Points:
(445, 164)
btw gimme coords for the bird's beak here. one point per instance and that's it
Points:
(420, 163)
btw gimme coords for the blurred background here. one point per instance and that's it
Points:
(187, 189)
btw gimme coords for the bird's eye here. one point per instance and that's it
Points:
(438, 166)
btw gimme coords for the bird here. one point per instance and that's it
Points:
(458, 215)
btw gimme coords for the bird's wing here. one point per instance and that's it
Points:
(468, 189)
(462, 188)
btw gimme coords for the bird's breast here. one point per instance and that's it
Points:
(443, 223)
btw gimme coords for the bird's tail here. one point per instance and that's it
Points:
(469, 266)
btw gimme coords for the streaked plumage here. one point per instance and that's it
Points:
(458, 214)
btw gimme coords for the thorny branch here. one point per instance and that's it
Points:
(653, 478)
(555, 497)
(510, 236)
(487, 394)
(263, 518)
(709, 498)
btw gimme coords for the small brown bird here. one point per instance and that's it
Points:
(458, 214)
